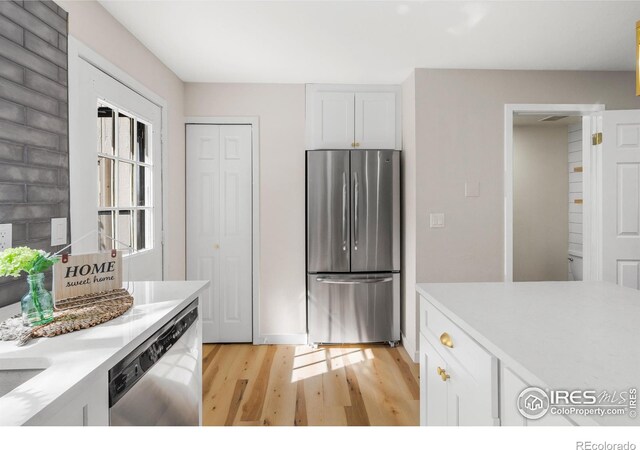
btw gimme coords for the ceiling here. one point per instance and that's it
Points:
(377, 41)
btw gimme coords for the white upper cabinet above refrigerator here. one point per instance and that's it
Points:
(333, 120)
(375, 120)
(353, 117)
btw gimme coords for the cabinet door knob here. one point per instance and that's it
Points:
(445, 340)
(216, 246)
(353, 144)
(357, 144)
(443, 374)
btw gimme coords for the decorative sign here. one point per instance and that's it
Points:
(86, 274)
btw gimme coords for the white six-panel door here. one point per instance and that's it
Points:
(219, 227)
(621, 197)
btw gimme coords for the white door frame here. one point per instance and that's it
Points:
(254, 121)
(78, 51)
(590, 182)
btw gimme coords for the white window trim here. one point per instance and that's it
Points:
(78, 51)
(590, 180)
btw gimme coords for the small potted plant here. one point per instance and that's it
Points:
(37, 304)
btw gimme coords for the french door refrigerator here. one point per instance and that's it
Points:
(353, 246)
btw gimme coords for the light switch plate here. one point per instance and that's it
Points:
(5, 236)
(59, 231)
(436, 220)
(472, 189)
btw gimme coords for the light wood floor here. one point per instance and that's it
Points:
(297, 385)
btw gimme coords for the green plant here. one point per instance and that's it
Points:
(13, 261)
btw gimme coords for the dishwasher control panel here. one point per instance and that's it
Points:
(124, 375)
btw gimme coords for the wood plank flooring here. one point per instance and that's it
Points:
(356, 385)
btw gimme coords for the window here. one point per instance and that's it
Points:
(125, 209)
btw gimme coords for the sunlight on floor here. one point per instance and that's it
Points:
(309, 362)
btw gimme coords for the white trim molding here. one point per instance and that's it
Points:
(592, 207)
(78, 51)
(589, 179)
(412, 351)
(282, 339)
(254, 121)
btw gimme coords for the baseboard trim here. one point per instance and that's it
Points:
(281, 339)
(411, 350)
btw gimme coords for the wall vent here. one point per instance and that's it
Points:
(552, 118)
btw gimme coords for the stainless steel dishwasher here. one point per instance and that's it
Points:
(159, 383)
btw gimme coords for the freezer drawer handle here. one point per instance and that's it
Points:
(334, 280)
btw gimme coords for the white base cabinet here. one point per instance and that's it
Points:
(510, 387)
(459, 379)
(461, 383)
(87, 404)
(435, 411)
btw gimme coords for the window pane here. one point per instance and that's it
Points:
(125, 136)
(125, 184)
(144, 186)
(106, 182)
(125, 229)
(106, 130)
(142, 144)
(143, 230)
(105, 228)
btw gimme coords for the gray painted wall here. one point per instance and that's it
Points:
(460, 136)
(540, 203)
(34, 159)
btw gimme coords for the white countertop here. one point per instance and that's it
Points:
(556, 335)
(73, 357)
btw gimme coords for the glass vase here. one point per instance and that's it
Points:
(37, 304)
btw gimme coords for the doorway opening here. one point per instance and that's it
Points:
(550, 181)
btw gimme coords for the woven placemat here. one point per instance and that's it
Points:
(71, 315)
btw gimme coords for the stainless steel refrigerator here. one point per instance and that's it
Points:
(353, 246)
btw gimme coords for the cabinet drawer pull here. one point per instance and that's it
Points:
(443, 374)
(445, 340)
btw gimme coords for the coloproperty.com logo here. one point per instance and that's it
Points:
(534, 402)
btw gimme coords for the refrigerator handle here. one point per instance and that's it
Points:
(344, 211)
(356, 198)
(345, 280)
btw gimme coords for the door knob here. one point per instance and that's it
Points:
(443, 374)
(216, 246)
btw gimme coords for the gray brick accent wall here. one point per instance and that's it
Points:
(34, 158)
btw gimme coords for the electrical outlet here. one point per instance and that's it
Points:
(5, 236)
